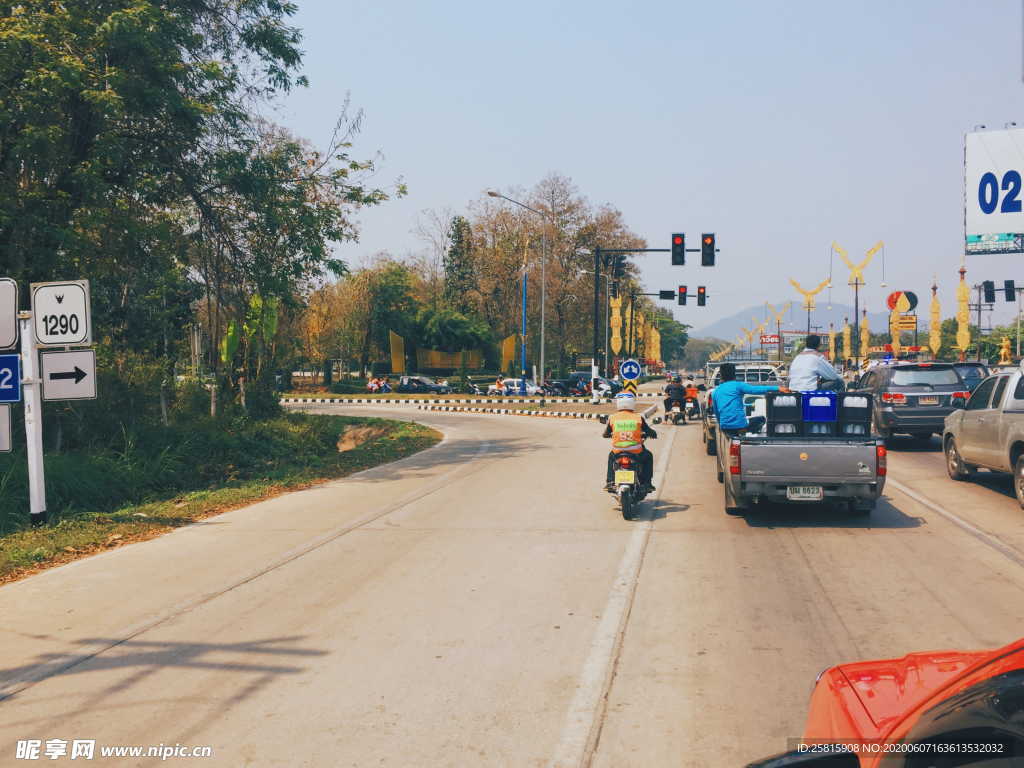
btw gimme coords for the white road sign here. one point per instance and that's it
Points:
(5, 429)
(60, 313)
(8, 313)
(68, 375)
(993, 192)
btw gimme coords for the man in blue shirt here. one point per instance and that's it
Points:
(727, 402)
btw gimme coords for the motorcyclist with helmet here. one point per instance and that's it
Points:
(675, 392)
(628, 429)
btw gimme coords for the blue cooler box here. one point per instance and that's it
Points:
(820, 407)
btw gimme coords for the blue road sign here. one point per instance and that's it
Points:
(629, 370)
(10, 379)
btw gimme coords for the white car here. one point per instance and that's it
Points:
(512, 388)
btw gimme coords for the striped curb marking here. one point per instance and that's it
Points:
(511, 412)
(420, 401)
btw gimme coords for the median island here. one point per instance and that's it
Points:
(169, 477)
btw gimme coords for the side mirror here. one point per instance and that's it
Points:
(807, 759)
(958, 403)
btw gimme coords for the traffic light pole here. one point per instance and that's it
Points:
(597, 313)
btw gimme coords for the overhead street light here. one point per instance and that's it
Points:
(543, 287)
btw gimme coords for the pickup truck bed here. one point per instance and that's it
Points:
(846, 470)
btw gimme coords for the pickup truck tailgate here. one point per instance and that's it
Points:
(834, 460)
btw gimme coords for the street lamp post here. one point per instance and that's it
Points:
(543, 288)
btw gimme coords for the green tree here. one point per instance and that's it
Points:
(449, 330)
(458, 265)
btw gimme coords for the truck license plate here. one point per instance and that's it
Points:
(804, 493)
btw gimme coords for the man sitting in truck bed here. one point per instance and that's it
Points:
(810, 366)
(727, 402)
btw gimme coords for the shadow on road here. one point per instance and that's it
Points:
(884, 515)
(143, 657)
(460, 451)
(994, 481)
(659, 510)
(905, 444)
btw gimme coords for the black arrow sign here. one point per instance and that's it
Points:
(78, 374)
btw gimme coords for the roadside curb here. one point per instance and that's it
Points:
(425, 401)
(511, 412)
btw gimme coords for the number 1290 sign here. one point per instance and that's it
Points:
(60, 313)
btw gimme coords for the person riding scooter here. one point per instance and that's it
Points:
(674, 393)
(627, 430)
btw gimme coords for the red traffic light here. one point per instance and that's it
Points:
(678, 240)
(708, 240)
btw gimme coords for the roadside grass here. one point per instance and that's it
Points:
(99, 502)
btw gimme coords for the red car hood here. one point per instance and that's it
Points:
(891, 688)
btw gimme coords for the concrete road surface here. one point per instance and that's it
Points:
(484, 604)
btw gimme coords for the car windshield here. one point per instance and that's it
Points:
(425, 379)
(933, 377)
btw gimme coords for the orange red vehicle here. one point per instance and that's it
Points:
(937, 709)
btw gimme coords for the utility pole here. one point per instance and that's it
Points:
(597, 311)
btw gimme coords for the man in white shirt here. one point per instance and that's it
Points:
(810, 366)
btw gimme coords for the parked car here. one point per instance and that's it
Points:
(422, 385)
(989, 431)
(937, 709)
(511, 387)
(912, 398)
(972, 373)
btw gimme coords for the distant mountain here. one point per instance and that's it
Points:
(796, 319)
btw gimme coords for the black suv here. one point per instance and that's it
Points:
(912, 398)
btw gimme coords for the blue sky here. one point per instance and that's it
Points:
(778, 125)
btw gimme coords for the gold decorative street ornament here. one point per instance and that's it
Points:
(616, 324)
(894, 328)
(809, 295)
(847, 338)
(935, 332)
(963, 315)
(1005, 358)
(857, 270)
(865, 336)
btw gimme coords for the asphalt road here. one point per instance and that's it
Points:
(483, 603)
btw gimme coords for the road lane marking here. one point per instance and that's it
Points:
(985, 538)
(586, 710)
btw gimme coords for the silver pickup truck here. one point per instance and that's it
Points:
(988, 431)
(847, 470)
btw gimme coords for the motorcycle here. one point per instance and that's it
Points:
(675, 414)
(692, 409)
(627, 488)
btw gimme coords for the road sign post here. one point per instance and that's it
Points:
(60, 314)
(33, 421)
(8, 313)
(630, 371)
(68, 375)
(5, 428)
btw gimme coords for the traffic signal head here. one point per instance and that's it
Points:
(707, 249)
(682, 295)
(988, 287)
(1010, 287)
(615, 289)
(678, 249)
(619, 266)
(702, 295)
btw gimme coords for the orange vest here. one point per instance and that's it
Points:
(627, 432)
(692, 392)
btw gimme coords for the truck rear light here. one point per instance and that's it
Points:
(734, 457)
(964, 395)
(883, 461)
(894, 398)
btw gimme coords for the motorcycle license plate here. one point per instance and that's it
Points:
(624, 476)
(927, 400)
(676, 409)
(804, 493)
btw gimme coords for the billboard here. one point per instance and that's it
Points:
(993, 197)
